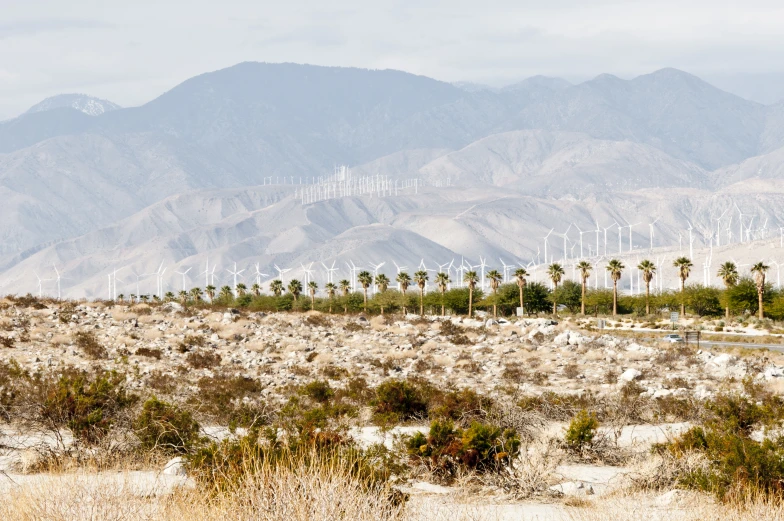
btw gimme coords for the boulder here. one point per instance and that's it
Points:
(629, 375)
(175, 467)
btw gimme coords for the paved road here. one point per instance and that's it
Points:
(773, 347)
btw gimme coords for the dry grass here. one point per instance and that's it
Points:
(677, 507)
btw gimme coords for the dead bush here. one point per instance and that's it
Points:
(203, 360)
(89, 345)
(149, 352)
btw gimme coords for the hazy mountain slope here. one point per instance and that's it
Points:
(263, 225)
(29, 129)
(83, 103)
(557, 163)
(668, 109)
(766, 166)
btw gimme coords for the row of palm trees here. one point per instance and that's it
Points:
(728, 272)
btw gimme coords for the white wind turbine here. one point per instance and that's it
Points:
(183, 273)
(506, 268)
(307, 271)
(605, 236)
(281, 271)
(41, 284)
(566, 238)
(597, 238)
(235, 273)
(259, 274)
(691, 242)
(353, 269)
(376, 267)
(483, 266)
(330, 271)
(650, 231)
(58, 281)
(545, 249)
(581, 238)
(778, 273)
(718, 227)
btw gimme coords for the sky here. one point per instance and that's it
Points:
(131, 52)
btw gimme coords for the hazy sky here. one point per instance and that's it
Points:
(131, 51)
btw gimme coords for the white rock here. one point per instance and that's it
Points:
(175, 467)
(573, 488)
(773, 372)
(629, 375)
(723, 360)
(562, 339)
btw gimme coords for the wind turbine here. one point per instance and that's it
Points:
(605, 236)
(307, 271)
(545, 251)
(507, 267)
(259, 274)
(566, 238)
(235, 273)
(778, 273)
(483, 265)
(183, 273)
(330, 271)
(281, 271)
(376, 267)
(58, 281)
(40, 284)
(352, 269)
(718, 227)
(691, 242)
(650, 229)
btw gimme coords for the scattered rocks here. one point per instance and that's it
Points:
(629, 375)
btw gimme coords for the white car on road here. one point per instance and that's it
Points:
(673, 338)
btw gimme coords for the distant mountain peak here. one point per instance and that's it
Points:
(543, 82)
(82, 102)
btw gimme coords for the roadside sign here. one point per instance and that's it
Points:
(692, 337)
(520, 311)
(600, 323)
(674, 316)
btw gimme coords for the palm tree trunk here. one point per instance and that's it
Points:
(582, 303)
(495, 305)
(365, 300)
(727, 313)
(555, 300)
(683, 296)
(647, 298)
(421, 302)
(615, 297)
(761, 311)
(522, 301)
(470, 302)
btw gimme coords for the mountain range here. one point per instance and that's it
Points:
(185, 178)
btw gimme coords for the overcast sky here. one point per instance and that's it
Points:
(132, 51)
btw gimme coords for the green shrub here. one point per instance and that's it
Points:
(737, 464)
(446, 449)
(397, 400)
(203, 360)
(319, 391)
(165, 427)
(581, 431)
(87, 405)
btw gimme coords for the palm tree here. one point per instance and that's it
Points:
(210, 292)
(728, 272)
(759, 270)
(382, 282)
(365, 279)
(295, 288)
(331, 289)
(183, 297)
(421, 278)
(241, 289)
(256, 289)
(277, 288)
(132, 297)
(648, 270)
(585, 268)
(471, 278)
(168, 296)
(442, 281)
(312, 288)
(495, 281)
(555, 271)
(144, 298)
(404, 280)
(120, 298)
(684, 266)
(225, 293)
(520, 275)
(345, 287)
(615, 268)
(196, 294)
